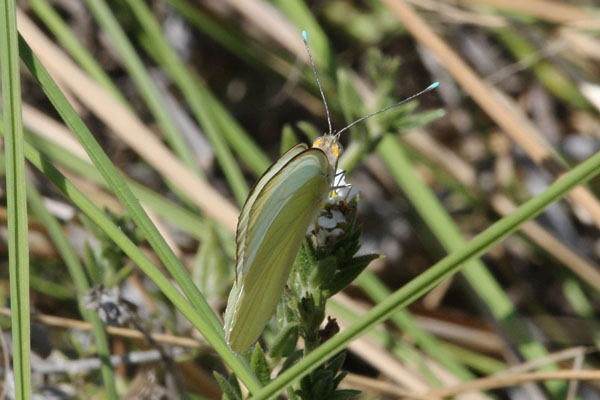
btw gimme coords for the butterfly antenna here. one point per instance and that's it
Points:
(430, 87)
(312, 63)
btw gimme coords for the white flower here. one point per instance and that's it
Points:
(326, 222)
(340, 189)
(336, 214)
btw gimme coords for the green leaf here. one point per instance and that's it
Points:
(285, 342)
(306, 385)
(307, 308)
(306, 260)
(233, 381)
(339, 378)
(322, 387)
(230, 391)
(291, 360)
(259, 364)
(291, 394)
(211, 270)
(349, 273)
(322, 273)
(362, 260)
(16, 201)
(336, 363)
(91, 265)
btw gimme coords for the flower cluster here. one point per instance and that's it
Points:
(337, 213)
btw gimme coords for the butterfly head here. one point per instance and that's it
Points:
(330, 145)
(329, 141)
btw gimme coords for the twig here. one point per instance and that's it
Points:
(112, 330)
(496, 382)
(356, 381)
(550, 11)
(573, 385)
(90, 364)
(551, 358)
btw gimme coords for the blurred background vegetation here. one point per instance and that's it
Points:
(225, 88)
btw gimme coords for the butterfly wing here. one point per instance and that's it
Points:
(242, 226)
(275, 226)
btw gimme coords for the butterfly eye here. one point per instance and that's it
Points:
(337, 149)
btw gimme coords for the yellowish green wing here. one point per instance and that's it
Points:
(240, 237)
(277, 223)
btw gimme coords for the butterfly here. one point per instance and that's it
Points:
(273, 222)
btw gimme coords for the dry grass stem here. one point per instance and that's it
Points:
(378, 357)
(128, 127)
(52, 130)
(69, 323)
(516, 126)
(551, 11)
(268, 20)
(473, 338)
(387, 364)
(505, 381)
(465, 174)
(556, 357)
(586, 269)
(370, 385)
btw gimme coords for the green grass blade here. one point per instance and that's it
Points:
(229, 36)
(152, 96)
(300, 14)
(377, 291)
(142, 80)
(163, 207)
(576, 296)
(18, 249)
(116, 182)
(196, 317)
(483, 364)
(555, 81)
(447, 232)
(443, 269)
(217, 123)
(403, 351)
(69, 41)
(123, 192)
(76, 270)
(252, 154)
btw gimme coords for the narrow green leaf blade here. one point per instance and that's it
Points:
(18, 249)
(435, 274)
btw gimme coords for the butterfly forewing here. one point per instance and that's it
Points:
(254, 193)
(275, 226)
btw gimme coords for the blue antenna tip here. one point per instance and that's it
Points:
(433, 85)
(304, 35)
